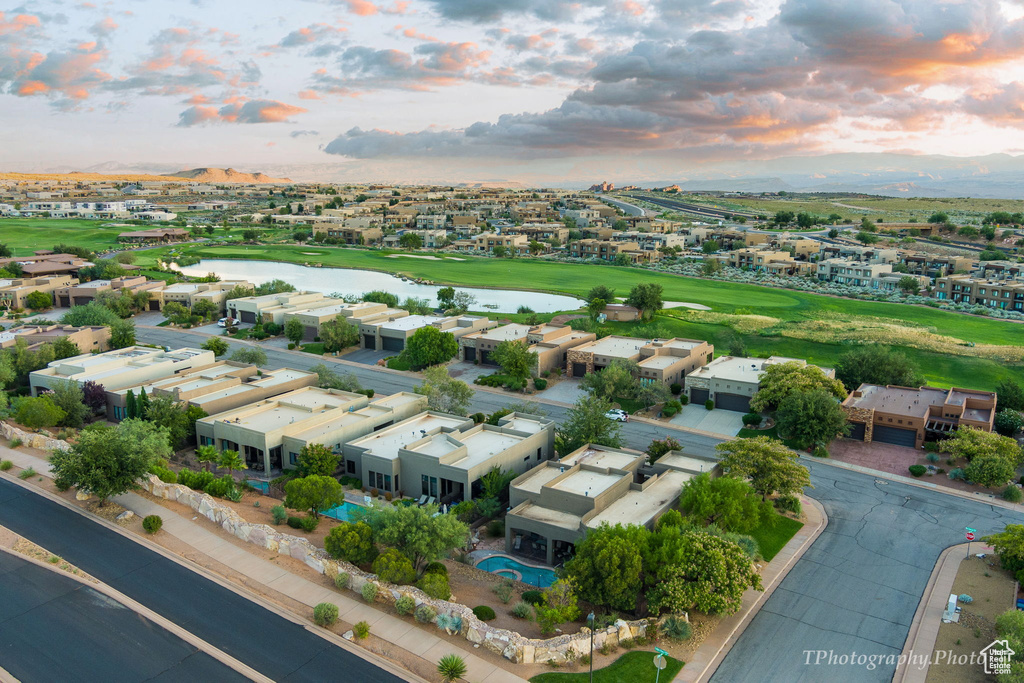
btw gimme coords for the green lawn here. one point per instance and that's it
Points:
(772, 539)
(725, 297)
(316, 348)
(26, 235)
(632, 667)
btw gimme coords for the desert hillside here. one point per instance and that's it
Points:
(202, 175)
(226, 175)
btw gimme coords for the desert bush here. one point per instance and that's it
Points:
(16, 443)
(279, 514)
(309, 523)
(325, 614)
(504, 592)
(425, 614)
(917, 470)
(484, 613)
(152, 523)
(788, 503)
(295, 522)
(522, 610)
(1012, 494)
(677, 628)
(405, 605)
(435, 585)
(369, 591)
(6, 465)
(341, 580)
(361, 630)
(534, 597)
(27, 474)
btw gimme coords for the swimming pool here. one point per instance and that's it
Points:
(261, 486)
(340, 512)
(502, 564)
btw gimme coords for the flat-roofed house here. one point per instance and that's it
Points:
(557, 502)
(270, 434)
(550, 343)
(906, 416)
(120, 368)
(731, 381)
(87, 339)
(393, 333)
(356, 313)
(660, 360)
(250, 309)
(443, 456)
(14, 292)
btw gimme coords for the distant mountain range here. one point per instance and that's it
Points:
(226, 175)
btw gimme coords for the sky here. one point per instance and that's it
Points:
(572, 87)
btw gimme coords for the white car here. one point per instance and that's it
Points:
(617, 415)
(226, 322)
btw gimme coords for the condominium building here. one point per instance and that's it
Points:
(856, 273)
(935, 266)
(442, 457)
(557, 502)
(14, 292)
(87, 339)
(356, 313)
(252, 309)
(660, 360)
(393, 333)
(609, 250)
(907, 416)
(349, 234)
(82, 293)
(768, 261)
(1003, 294)
(120, 368)
(550, 343)
(271, 433)
(731, 382)
(188, 294)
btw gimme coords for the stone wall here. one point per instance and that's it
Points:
(865, 415)
(508, 644)
(43, 442)
(574, 356)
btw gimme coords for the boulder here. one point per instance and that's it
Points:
(125, 516)
(474, 635)
(82, 495)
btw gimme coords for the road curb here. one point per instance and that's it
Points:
(714, 655)
(224, 583)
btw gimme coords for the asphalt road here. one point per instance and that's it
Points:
(53, 628)
(858, 586)
(269, 643)
(635, 434)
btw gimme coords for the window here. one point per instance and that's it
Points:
(293, 458)
(350, 467)
(538, 453)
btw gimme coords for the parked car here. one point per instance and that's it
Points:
(226, 322)
(617, 415)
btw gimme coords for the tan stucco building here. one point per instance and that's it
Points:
(661, 360)
(122, 368)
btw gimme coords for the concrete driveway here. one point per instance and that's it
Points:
(366, 356)
(717, 421)
(467, 372)
(566, 391)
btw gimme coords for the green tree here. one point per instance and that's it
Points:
(231, 461)
(938, 217)
(585, 424)
(709, 247)
(607, 566)
(131, 405)
(652, 393)
(444, 393)
(446, 298)
(122, 334)
(768, 464)
(394, 567)
(811, 417)
(176, 312)
(416, 306)
(601, 292)
(251, 355)
(1009, 545)
(971, 443)
(730, 503)
(318, 459)
(1010, 395)
(378, 296)
(37, 300)
(877, 364)
(559, 606)
(338, 334)
(328, 378)
(495, 483)
(89, 315)
(352, 542)
(65, 348)
(314, 493)
(217, 345)
(36, 412)
(1008, 422)
(107, 461)
(430, 346)
(415, 531)
(294, 330)
(595, 307)
(68, 396)
(205, 309)
(866, 237)
(909, 285)
(515, 358)
(207, 456)
(646, 297)
(990, 470)
(616, 380)
(783, 379)
(461, 302)
(142, 404)
(660, 447)
(168, 413)
(410, 240)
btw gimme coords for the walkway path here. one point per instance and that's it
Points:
(400, 632)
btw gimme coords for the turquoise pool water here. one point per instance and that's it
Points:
(261, 486)
(340, 512)
(542, 578)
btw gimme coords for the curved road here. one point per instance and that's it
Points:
(276, 647)
(858, 586)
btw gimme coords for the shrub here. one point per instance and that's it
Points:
(1012, 494)
(584, 660)
(361, 630)
(16, 443)
(483, 612)
(677, 628)
(504, 592)
(788, 503)
(540, 384)
(197, 481)
(6, 465)
(753, 419)
(607, 648)
(309, 523)
(291, 345)
(325, 614)
(279, 514)
(374, 492)
(369, 591)
(709, 404)
(522, 610)
(165, 475)
(820, 451)
(957, 473)
(627, 643)
(436, 568)
(27, 474)
(917, 470)
(451, 667)
(425, 614)
(394, 567)
(534, 597)
(496, 528)
(478, 417)
(152, 523)
(405, 605)
(295, 522)
(676, 388)
(435, 585)
(684, 399)
(220, 488)
(341, 580)
(932, 457)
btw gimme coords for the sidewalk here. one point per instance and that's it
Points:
(924, 629)
(713, 650)
(400, 632)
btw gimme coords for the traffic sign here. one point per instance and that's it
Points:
(661, 652)
(659, 661)
(970, 530)
(970, 535)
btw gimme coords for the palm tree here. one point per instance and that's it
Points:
(207, 456)
(231, 460)
(451, 668)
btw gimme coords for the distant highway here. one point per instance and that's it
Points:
(694, 209)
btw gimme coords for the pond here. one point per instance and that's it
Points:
(356, 282)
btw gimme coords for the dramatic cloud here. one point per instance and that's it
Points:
(253, 111)
(483, 11)
(429, 65)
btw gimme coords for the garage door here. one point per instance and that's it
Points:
(894, 435)
(698, 395)
(392, 343)
(857, 431)
(740, 404)
(369, 341)
(485, 358)
(247, 316)
(470, 354)
(579, 369)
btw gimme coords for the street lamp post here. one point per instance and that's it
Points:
(590, 623)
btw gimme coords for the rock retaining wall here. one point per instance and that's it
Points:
(43, 442)
(508, 644)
